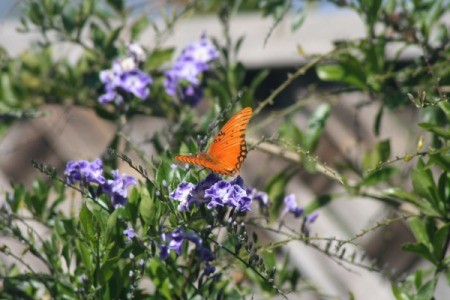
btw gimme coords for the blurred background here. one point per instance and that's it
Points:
(72, 133)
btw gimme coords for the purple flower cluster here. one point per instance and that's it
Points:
(125, 78)
(175, 241)
(215, 192)
(92, 172)
(184, 79)
(84, 171)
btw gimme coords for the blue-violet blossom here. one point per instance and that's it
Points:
(214, 192)
(129, 233)
(85, 171)
(116, 188)
(175, 240)
(124, 78)
(184, 79)
(292, 206)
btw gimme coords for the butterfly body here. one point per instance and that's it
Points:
(228, 148)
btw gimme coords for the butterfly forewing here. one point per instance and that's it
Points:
(229, 146)
(228, 149)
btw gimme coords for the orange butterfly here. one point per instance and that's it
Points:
(228, 149)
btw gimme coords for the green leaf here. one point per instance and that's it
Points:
(316, 126)
(420, 250)
(276, 189)
(379, 154)
(398, 293)
(116, 4)
(159, 57)
(111, 227)
(371, 8)
(107, 270)
(97, 35)
(148, 209)
(249, 93)
(330, 72)
(406, 196)
(349, 71)
(85, 255)
(109, 48)
(238, 44)
(318, 203)
(288, 130)
(87, 223)
(419, 230)
(379, 175)
(138, 27)
(68, 22)
(299, 18)
(69, 227)
(444, 188)
(65, 252)
(440, 241)
(426, 292)
(418, 279)
(423, 183)
(436, 129)
(433, 15)
(442, 160)
(377, 124)
(445, 107)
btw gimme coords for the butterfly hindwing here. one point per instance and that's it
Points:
(203, 160)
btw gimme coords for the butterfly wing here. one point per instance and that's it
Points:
(203, 160)
(229, 149)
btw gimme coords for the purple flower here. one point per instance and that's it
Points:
(237, 197)
(209, 269)
(292, 206)
(189, 70)
(224, 193)
(213, 192)
(202, 51)
(312, 217)
(116, 188)
(136, 82)
(175, 240)
(82, 170)
(124, 77)
(130, 234)
(259, 196)
(185, 73)
(218, 194)
(196, 195)
(192, 237)
(199, 191)
(184, 79)
(206, 254)
(182, 193)
(191, 94)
